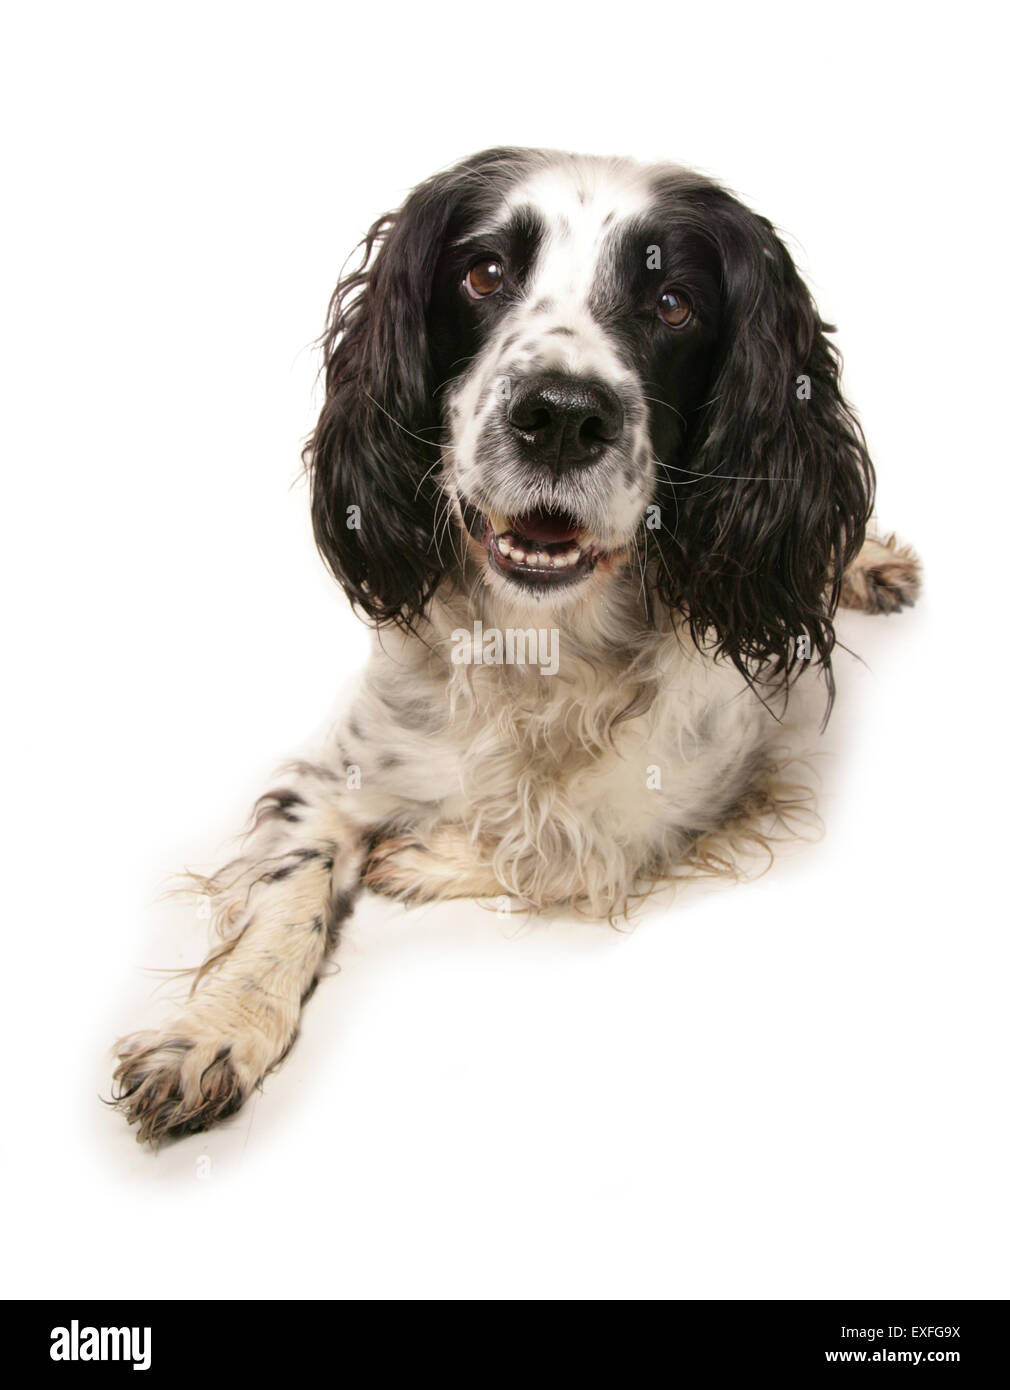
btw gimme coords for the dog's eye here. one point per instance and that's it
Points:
(674, 308)
(484, 279)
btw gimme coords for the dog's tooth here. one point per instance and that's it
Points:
(519, 555)
(573, 557)
(560, 562)
(505, 545)
(534, 557)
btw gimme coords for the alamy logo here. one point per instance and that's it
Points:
(516, 646)
(77, 1343)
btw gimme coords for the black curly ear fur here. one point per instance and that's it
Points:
(376, 445)
(756, 561)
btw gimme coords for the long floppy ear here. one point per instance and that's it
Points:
(375, 450)
(755, 562)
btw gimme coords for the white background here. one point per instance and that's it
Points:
(795, 1087)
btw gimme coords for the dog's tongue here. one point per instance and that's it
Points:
(545, 526)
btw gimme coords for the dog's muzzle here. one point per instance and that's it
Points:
(555, 426)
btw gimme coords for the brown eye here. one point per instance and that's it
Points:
(674, 308)
(484, 279)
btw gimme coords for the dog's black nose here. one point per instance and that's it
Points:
(563, 421)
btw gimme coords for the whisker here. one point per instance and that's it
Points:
(668, 406)
(427, 475)
(724, 477)
(409, 433)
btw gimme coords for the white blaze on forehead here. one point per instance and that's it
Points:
(581, 202)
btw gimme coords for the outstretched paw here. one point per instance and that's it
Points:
(170, 1085)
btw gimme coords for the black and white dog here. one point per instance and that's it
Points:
(585, 462)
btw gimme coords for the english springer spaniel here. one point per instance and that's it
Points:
(585, 465)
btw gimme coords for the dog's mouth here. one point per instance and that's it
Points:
(538, 549)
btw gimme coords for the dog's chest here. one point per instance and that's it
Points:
(587, 763)
(523, 774)
(566, 789)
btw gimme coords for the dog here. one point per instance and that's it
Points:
(568, 397)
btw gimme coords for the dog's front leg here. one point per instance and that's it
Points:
(278, 908)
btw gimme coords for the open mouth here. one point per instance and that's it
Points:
(538, 549)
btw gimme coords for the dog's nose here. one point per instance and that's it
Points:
(563, 421)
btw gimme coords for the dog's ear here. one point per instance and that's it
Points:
(373, 511)
(755, 562)
(374, 453)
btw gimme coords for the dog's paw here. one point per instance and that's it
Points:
(445, 866)
(400, 868)
(170, 1085)
(883, 578)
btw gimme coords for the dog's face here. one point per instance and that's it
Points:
(566, 363)
(574, 327)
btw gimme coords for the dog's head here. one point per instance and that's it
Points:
(565, 364)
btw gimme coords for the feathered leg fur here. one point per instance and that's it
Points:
(278, 909)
